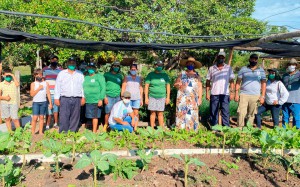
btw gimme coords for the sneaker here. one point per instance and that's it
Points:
(55, 126)
(47, 127)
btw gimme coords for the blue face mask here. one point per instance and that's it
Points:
(133, 72)
(190, 67)
(71, 67)
(91, 71)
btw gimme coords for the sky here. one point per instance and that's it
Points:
(290, 19)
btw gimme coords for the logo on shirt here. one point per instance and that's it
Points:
(119, 80)
(92, 80)
(162, 80)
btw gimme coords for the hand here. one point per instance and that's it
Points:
(261, 100)
(231, 96)
(236, 98)
(177, 85)
(125, 123)
(7, 98)
(50, 106)
(100, 103)
(41, 87)
(82, 101)
(207, 97)
(199, 101)
(141, 102)
(57, 102)
(167, 101)
(146, 101)
(275, 102)
(105, 101)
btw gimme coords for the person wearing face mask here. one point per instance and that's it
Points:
(122, 116)
(94, 92)
(134, 84)
(276, 96)
(39, 90)
(219, 79)
(291, 80)
(50, 74)
(113, 80)
(252, 82)
(157, 93)
(8, 97)
(189, 95)
(68, 95)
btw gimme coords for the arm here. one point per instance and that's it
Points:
(57, 89)
(200, 92)
(124, 85)
(134, 122)
(141, 91)
(146, 93)
(49, 96)
(102, 90)
(168, 94)
(231, 85)
(6, 98)
(207, 89)
(15, 80)
(237, 89)
(33, 92)
(284, 94)
(263, 91)
(177, 83)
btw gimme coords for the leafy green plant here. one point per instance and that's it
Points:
(126, 169)
(10, 175)
(285, 137)
(267, 143)
(76, 142)
(98, 140)
(25, 111)
(150, 133)
(56, 148)
(288, 163)
(228, 166)
(250, 134)
(188, 161)
(100, 162)
(144, 160)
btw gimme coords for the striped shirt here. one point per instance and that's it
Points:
(9, 89)
(220, 79)
(50, 77)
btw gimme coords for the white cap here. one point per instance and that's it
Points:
(222, 53)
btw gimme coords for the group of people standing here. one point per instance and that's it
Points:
(61, 93)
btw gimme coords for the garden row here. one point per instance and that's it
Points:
(91, 147)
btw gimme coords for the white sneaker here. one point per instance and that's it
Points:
(47, 127)
(55, 125)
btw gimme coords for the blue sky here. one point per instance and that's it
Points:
(266, 8)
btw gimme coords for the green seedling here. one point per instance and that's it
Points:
(288, 162)
(285, 136)
(77, 145)
(163, 135)
(56, 148)
(99, 161)
(228, 166)
(9, 174)
(250, 134)
(144, 160)
(188, 161)
(126, 169)
(150, 133)
(224, 131)
(267, 143)
(98, 140)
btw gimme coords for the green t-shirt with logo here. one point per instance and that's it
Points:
(113, 84)
(157, 84)
(94, 88)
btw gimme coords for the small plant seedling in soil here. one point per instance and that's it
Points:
(126, 169)
(188, 161)
(288, 162)
(228, 166)
(99, 161)
(55, 148)
(144, 160)
(9, 174)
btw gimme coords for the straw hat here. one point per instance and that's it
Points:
(190, 59)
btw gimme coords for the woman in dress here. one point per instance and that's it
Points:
(189, 95)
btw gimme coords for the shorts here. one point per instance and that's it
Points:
(156, 104)
(92, 111)
(111, 102)
(135, 104)
(39, 108)
(54, 109)
(9, 111)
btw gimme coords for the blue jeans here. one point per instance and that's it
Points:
(219, 102)
(275, 110)
(39, 108)
(287, 109)
(120, 127)
(111, 102)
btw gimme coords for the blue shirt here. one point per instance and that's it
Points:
(292, 84)
(69, 84)
(251, 80)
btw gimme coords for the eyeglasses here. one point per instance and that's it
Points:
(127, 97)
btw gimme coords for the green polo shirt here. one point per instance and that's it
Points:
(157, 84)
(94, 88)
(113, 84)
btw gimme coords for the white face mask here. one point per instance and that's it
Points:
(291, 68)
(126, 101)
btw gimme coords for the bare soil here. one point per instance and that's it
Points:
(169, 172)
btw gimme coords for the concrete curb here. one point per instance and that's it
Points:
(132, 153)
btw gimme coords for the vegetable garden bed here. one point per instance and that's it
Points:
(268, 163)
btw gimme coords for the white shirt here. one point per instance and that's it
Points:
(276, 91)
(119, 110)
(41, 96)
(220, 79)
(69, 84)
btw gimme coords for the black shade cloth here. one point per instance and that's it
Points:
(7, 35)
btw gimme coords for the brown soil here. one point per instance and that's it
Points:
(169, 172)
